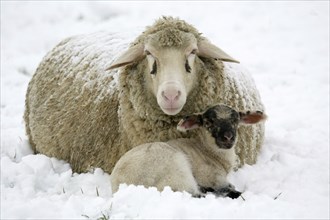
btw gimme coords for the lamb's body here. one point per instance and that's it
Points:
(183, 164)
(197, 164)
(78, 111)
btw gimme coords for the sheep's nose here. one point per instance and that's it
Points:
(228, 135)
(171, 95)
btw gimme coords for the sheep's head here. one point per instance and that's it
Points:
(171, 69)
(170, 48)
(221, 122)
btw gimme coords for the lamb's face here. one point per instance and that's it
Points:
(171, 69)
(221, 122)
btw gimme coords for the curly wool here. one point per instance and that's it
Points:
(78, 112)
(168, 31)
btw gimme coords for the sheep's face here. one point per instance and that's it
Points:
(168, 52)
(222, 123)
(171, 70)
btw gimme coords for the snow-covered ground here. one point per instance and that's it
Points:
(285, 45)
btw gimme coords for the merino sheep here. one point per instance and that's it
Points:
(79, 108)
(196, 165)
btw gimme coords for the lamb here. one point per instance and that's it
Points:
(196, 165)
(88, 108)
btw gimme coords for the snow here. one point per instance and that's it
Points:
(285, 45)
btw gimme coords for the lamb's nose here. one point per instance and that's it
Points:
(228, 135)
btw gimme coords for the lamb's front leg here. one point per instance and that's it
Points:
(228, 191)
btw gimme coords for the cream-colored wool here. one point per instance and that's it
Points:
(79, 111)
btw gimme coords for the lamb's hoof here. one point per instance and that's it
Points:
(198, 196)
(228, 192)
(234, 194)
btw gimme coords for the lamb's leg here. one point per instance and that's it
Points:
(226, 191)
(205, 190)
(178, 174)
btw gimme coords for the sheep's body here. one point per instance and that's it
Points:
(72, 102)
(183, 164)
(78, 111)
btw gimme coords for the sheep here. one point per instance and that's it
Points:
(196, 165)
(88, 105)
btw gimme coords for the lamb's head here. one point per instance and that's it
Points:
(221, 123)
(170, 48)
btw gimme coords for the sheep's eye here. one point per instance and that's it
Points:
(154, 68)
(188, 68)
(194, 51)
(152, 62)
(190, 60)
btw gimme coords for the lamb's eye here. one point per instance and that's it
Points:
(147, 52)
(208, 125)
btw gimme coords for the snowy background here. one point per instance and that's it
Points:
(285, 46)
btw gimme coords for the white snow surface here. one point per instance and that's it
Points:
(285, 46)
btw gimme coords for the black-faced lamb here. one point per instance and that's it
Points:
(196, 165)
(81, 109)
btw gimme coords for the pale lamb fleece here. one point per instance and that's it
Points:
(196, 165)
(79, 111)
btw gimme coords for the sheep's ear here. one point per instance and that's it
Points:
(206, 49)
(133, 54)
(190, 122)
(252, 117)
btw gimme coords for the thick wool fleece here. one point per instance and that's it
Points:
(168, 30)
(79, 112)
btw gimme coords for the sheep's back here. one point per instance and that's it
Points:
(72, 101)
(242, 94)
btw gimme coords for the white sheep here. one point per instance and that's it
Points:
(81, 109)
(196, 165)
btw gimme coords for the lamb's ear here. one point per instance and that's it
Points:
(252, 117)
(190, 122)
(133, 54)
(206, 49)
